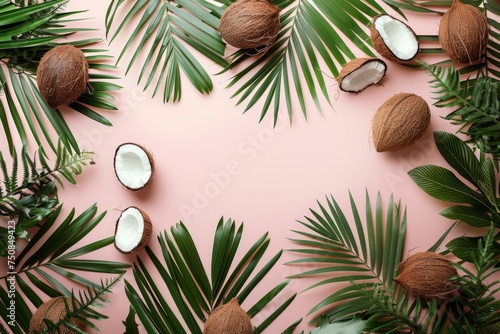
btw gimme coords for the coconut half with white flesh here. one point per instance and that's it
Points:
(133, 230)
(360, 73)
(393, 39)
(134, 166)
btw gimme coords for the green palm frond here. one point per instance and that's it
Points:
(165, 27)
(194, 291)
(31, 196)
(476, 102)
(365, 256)
(83, 308)
(26, 33)
(50, 263)
(312, 31)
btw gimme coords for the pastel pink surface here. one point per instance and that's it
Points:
(212, 160)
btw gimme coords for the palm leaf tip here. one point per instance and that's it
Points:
(195, 293)
(362, 256)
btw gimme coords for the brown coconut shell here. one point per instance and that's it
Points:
(352, 67)
(151, 162)
(248, 24)
(463, 32)
(54, 310)
(426, 275)
(146, 234)
(62, 75)
(229, 318)
(380, 45)
(400, 121)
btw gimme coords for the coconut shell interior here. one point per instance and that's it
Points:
(62, 75)
(399, 122)
(139, 183)
(249, 24)
(360, 73)
(138, 241)
(393, 39)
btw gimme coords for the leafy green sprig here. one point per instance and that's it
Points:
(476, 104)
(52, 261)
(475, 194)
(476, 309)
(31, 197)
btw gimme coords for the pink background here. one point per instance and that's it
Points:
(277, 174)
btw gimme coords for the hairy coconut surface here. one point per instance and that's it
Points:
(399, 121)
(426, 275)
(229, 318)
(360, 73)
(248, 24)
(393, 39)
(134, 166)
(62, 75)
(463, 32)
(54, 310)
(133, 230)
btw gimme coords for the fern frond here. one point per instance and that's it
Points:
(477, 103)
(477, 306)
(34, 198)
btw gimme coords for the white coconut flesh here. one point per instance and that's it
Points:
(397, 37)
(132, 165)
(366, 75)
(129, 230)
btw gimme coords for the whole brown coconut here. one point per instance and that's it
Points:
(54, 310)
(426, 275)
(229, 318)
(62, 75)
(463, 32)
(399, 121)
(248, 24)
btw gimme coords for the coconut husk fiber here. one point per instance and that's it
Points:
(62, 75)
(248, 24)
(54, 310)
(463, 32)
(400, 121)
(426, 275)
(228, 318)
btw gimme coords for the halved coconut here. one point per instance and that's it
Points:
(134, 166)
(393, 39)
(360, 73)
(133, 230)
